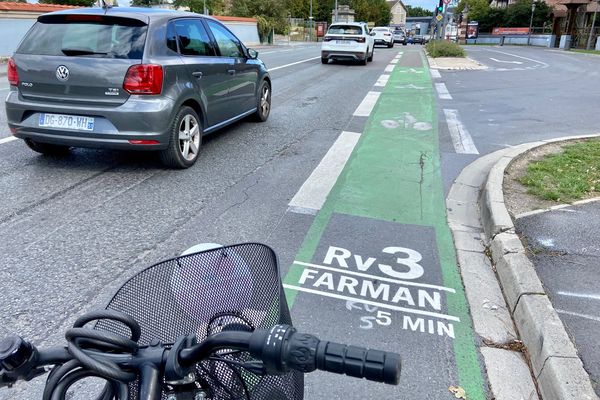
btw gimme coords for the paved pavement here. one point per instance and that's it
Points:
(564, 247)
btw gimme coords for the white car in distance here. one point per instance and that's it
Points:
(383, 35)
(347, 41)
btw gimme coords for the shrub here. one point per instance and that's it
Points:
(443, 48)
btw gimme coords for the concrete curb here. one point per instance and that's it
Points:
(455, 63)
(554, 359)
(508, 374)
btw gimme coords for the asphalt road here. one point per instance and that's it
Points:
(526, 94)
(566, 260)
(72, 229)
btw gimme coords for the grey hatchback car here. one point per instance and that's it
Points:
(132, 78)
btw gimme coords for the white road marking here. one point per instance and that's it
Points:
(590, 317)
(372, 303)
(581, 295)
(435, 74)
(375, 277)
(461, 139)
(507, 62)
(443, 91)
(395, 61)
(365, 108)
(560, 207)
(7, 139)
(389, 68)
(294, 63)
(313, 193)
(382, 80)
(543, 64)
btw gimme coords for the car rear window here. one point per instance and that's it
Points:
(86, 36)
(345, 30)
(381, 29)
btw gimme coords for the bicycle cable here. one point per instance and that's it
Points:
(85, 365)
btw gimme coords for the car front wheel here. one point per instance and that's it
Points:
(263, 102)
(185, 140)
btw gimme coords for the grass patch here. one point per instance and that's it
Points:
(586, 51)
(568, 176)
(443, 48)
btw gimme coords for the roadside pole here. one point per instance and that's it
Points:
(589, 42)
(444, 21)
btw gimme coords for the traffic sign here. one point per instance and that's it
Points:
(439, 17)
(447, 2)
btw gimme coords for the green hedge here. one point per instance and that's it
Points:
(443, 48)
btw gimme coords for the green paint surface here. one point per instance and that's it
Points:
(394, 175)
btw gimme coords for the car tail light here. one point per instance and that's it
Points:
(144, 79)
(327, 39)
(13, 75)
(144, 142)
(387, 34)
(360, 39)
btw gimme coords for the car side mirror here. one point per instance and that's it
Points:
(253, 54)
(372, 33)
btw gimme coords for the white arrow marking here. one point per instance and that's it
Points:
(507, 62)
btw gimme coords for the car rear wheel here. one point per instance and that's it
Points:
(263, 102)
(324, 60)
(46, 148)
(365, 60)
(371, 56)
(185, 140)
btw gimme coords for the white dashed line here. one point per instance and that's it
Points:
(435, 74)
(365, 108)
(382, 80)
(395, 61)
(389, 68)
(294, 63)
(313, 193)
(443, 91)
(461, 139)
(581, 295)
(585, 316)
(7, 139)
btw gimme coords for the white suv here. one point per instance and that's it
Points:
(383, 35)
(347, 41)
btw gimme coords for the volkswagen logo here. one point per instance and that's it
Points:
(62, 73)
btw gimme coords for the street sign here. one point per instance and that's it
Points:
(447, 1)
(439, 17)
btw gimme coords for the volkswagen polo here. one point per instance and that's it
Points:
(132, 78)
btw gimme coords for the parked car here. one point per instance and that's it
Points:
(347, 41)
(383, 35)
(399, 36)
(417, 39)
(132, 78)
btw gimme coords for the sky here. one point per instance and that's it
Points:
(427, 4)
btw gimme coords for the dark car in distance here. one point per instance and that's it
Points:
(132, 78)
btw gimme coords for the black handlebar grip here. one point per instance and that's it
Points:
(374, 365)
(282, 348)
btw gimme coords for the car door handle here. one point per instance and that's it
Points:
(231, 71)
(197, 74)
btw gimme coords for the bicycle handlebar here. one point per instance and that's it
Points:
(280, 349)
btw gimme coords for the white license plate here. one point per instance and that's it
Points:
(67, 122)
(345, 42)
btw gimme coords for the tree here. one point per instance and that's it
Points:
(519, 13)
(215, 7)
(418, 12)
(143, 3)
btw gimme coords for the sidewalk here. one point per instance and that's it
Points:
(509, 289)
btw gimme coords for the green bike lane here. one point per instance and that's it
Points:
(377, 267)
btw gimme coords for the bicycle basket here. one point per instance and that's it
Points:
(201, 292)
